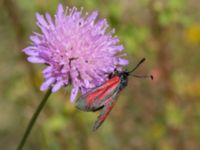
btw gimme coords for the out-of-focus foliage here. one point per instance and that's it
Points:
(193, 33)
(163, 114)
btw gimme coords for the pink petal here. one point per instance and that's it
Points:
(47, 69)
(60, 12)
(49, 19)
(57, 86)
(101, 23)
(123, 61)
(117, 48)
(46, 84)
(73, 94)
(31, 52)
(35, 39)
(41, 20)
(35, 60)
(92, 17)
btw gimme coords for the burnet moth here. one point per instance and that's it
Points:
(103, 97)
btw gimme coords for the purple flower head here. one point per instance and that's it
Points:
(76, 48)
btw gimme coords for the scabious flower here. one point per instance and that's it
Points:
(76, 48)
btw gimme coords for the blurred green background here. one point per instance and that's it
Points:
(163, 114)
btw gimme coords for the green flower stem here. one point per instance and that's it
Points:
(33, 119)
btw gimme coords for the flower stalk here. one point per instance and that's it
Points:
(33, 119)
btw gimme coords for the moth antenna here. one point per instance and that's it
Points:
(140, 62)
(145, 76)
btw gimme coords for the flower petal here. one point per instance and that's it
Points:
(122, 61)
(48, 69)
(36, 60)
(92, 17)
(57, 86)
(41, 20)
(35, 39)
(49, 19)
(74, 93)
(31, 52)
(59, 12)
(46, 84)
(117, 48)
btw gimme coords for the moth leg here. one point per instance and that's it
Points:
(112, 74)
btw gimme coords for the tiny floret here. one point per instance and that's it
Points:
(76, 48)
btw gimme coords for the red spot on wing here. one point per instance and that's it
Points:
(103, 117)
(111, 87)
(104, 114)
(102, 90)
